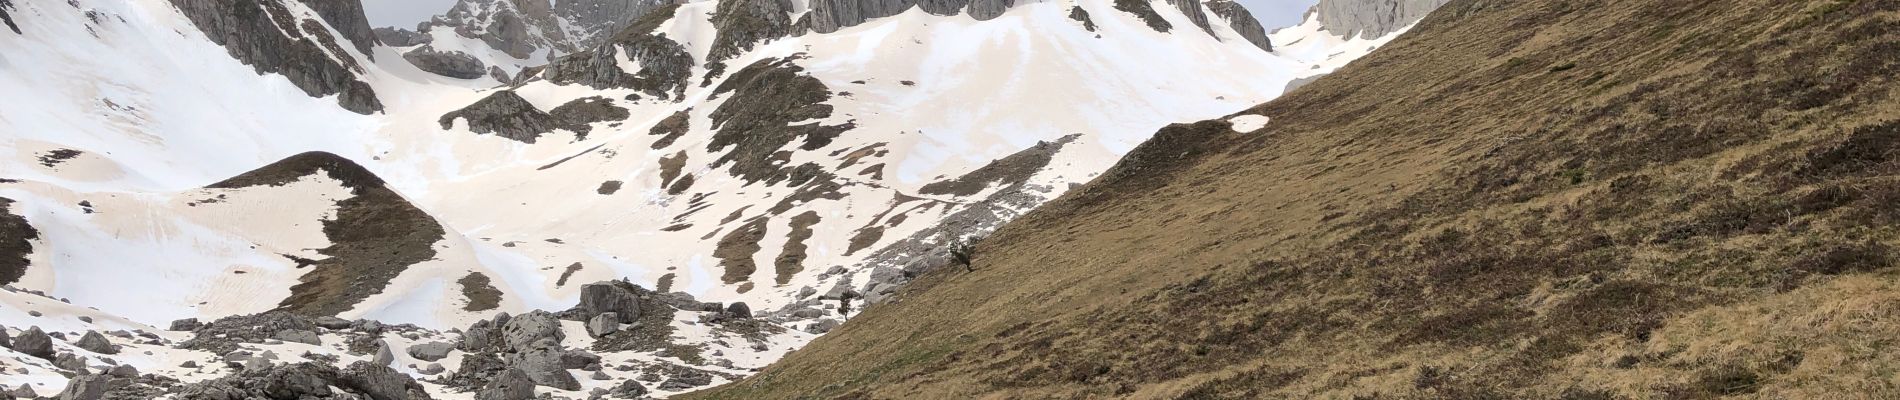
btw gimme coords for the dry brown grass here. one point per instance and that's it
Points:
(1520, 199)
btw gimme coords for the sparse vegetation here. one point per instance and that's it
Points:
(1712, 220)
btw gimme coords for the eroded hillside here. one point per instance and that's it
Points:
(1518, 199)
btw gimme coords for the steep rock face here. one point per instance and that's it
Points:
(1194, 12)
(16, 236)
(376, 235)
(450, 64)
(254, 33)
(742, 24)
(524, 28)
(6, 18)
(1242, 21)
(1371, 18)
(401, 37)
(593, 21)
(1146, 12)
(347, 17)
(665, 66)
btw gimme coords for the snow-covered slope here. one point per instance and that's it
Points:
(718, 152)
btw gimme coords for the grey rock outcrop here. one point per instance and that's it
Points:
(523, 332)
(34, 342)
(254, 32)
(1242, 21)
(5, 340)
(453, 64)
(609, 297)
(97, 343)
(665, 66)
(506, 114)
(1371, 18)
(511, 384)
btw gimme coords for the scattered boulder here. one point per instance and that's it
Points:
(383, 355)
(432, 369)
(97, 343)
(71, 362)
(686, 379)
(86, 387)
(381, 382)
(123, 371)
(5, 340)
(603, 324)
(186, 325)
(331, 323)
(484, 335)
(34, 342)
(822, 326)
(544, 367)
(24, 392)
(431, 351)
(738, 310)
(628, 389)
(299, 336)
(510, 385)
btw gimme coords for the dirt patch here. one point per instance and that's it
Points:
(569, 272)
(481, 294)
(16, 236)
(671, 129)
(1011, 170)
(564, 160)
(671, 167)
(681, 186)
(771, 100)
(736, 249)
(792, 259)
(55, 157)
(375, 236)
(608, 187)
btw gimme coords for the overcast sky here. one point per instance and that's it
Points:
(1273, 14)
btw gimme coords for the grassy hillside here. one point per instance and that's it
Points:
(1519, 199)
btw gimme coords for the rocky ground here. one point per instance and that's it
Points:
(620, 342)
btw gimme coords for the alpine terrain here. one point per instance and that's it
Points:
(273, 199)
